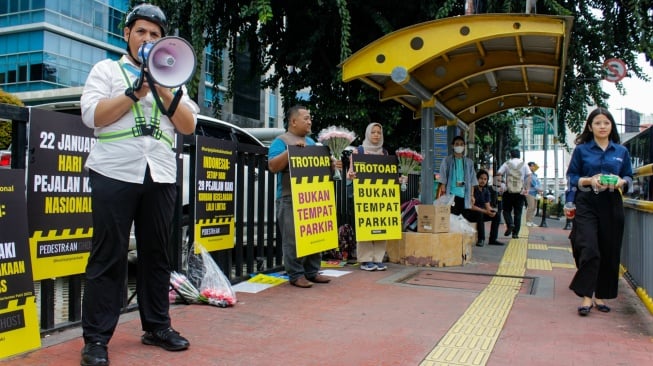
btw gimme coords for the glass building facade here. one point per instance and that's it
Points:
(51, 46)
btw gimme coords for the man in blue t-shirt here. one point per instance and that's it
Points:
(302, 272)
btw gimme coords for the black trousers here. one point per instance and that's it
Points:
(513, 204)
(458, 207)
(596, 240)
(480, 219)
(116, 205)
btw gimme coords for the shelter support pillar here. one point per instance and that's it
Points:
(428, 151)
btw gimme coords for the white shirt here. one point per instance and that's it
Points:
(512, 164)
(127, 159)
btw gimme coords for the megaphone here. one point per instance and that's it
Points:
(170, 61)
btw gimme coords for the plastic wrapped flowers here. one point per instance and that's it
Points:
(408, 160)
(214, 288)
(337, 139)
(214, 285)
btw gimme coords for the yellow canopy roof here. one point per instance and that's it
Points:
(468, 67)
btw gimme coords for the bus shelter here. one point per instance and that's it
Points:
(457, 71)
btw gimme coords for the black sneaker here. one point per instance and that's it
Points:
(508, 231)
(515, 235)
(95, 354)
(168, 339)
(495, 243)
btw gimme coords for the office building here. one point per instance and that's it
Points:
(48, 47)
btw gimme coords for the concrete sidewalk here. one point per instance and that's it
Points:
(509, 306)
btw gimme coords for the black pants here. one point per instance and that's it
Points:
(480, 219)
(513, 204)
(596, 240)
(458, 207)
(116, 205)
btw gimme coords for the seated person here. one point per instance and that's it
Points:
(482, 211)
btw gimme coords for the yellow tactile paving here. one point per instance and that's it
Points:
(471, 339)
(539, 264)
(535, 246)
(563, 265)
(566, 249)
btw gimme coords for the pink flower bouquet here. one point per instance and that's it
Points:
(337, 139)
(182, 287)
(408, 160)
(214, 289)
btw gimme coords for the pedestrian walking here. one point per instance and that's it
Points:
(517, 178)
(534, 190)
(599, 170)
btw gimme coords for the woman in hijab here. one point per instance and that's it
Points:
(370, 253)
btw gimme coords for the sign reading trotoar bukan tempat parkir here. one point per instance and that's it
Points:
(377, 200)
(314, 204)
(58, 194)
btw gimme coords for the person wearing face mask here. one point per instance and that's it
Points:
(133, 173)
(458, 177)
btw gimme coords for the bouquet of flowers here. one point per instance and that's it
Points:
(408, 160)
(183, 289)
(214, 288)
(337, 139)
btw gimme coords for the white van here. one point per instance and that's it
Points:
(206, 126)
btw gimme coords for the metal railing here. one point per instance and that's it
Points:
(256, 246)
(637, 250)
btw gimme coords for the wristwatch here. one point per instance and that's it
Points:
(130, 93)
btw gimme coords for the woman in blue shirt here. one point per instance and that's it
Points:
(599, 169)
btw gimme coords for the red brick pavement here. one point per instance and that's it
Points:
(366, 318)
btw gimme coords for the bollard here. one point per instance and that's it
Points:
(543, 223)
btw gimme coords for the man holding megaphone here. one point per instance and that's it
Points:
(132, 172)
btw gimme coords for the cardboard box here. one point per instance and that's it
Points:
(433, 218)
(469, 242)
(429, 249)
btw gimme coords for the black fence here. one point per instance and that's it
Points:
(257, 246)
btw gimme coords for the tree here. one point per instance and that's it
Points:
(5, 126)
(297, 45)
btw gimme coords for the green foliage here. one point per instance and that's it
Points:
(5, 126)
(495, 137)
(296, 45)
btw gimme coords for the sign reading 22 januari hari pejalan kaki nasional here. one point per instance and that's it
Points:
(376, 197)
(313, 199)
(19, 327)
(58, 194)
(214, 194)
